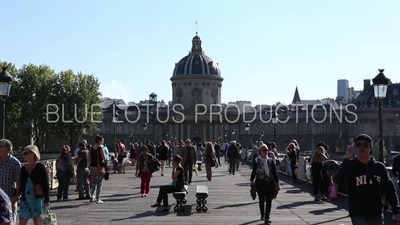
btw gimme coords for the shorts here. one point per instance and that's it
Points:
(120, 159)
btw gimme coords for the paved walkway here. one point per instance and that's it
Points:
(229, 203)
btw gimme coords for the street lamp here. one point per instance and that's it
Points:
(262, 135)
(247, 128)
(115, 126)
(145, 130)
(226, 135)
(381, 83)
(274, 121)
(5, 87)
(167, 135)
(131, 136)
(233, 133)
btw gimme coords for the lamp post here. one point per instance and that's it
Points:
(247, 128)
(274, 122)
(5, 87)
(233, 133)
(144, 131)
(381, 83)
(131, 137)
(115, 126)
(262, 136)
(226, 135)
(167, 136)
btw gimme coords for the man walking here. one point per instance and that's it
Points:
(82, 172)
(366, 180)
(233, 155)
(120, 148)
(189, 160)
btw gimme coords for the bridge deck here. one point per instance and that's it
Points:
(229, 202)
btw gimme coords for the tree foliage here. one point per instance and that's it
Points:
(376, 150)
(37, 90)
(78, 104)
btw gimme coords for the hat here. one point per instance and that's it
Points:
(364, 137)
(34, 149)
(7, 143)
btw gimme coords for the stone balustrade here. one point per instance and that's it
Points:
(51, 168)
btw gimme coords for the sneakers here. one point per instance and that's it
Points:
(99, 202)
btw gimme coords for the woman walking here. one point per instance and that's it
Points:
(65, 171)
(265, 178)
(96, 160)
(210, 159)
(293, 158)
(34, 187)
(316, 172)
(143, 171)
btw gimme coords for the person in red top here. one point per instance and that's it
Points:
(120, 148)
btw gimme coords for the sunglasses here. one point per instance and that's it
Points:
(27, 153)
(363, 145)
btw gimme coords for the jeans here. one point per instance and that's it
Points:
(294, 173)
(365, 221)
(64, 179)
(145, 178)
(232, 166)
(264, 198)
(96, 184)
(188, 172)
(208, 170)
(82, 182)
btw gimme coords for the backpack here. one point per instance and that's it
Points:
(154, 165)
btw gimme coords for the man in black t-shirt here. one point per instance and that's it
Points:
(82, 172)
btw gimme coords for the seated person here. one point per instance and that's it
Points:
(116, 166)
(176, 186)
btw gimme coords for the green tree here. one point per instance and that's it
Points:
(77, 100)
(376, 150)
(35, 85)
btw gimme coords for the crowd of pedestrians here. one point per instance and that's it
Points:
(366, 179)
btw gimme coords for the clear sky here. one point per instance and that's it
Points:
(264, 48)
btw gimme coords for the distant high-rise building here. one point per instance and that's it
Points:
(342, 88)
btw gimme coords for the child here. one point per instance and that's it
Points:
(116, 167)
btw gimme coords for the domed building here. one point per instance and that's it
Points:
(196, 78)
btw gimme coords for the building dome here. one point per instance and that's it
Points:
(196, 62)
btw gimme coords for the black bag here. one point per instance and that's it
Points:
(212, 163)
(272, 189)
(154, 165)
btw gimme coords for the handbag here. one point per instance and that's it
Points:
(333, 192)
(272, 189)
(48, 217)
(101, 170)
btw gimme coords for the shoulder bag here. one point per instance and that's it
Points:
(101, 170)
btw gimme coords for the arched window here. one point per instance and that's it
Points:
(214, 96)
(196, 96)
